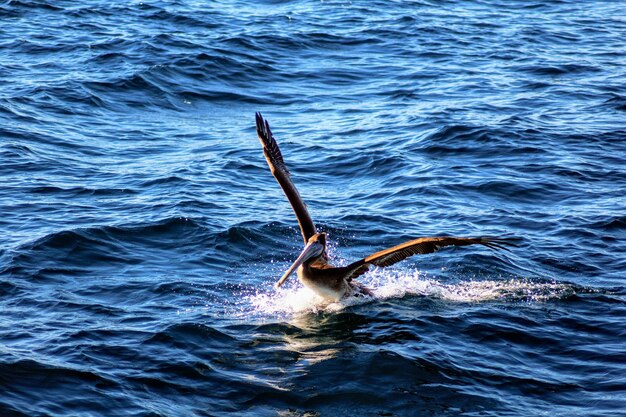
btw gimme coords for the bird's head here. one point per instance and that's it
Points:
(314, 249)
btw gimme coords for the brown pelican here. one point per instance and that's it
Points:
(314, 270)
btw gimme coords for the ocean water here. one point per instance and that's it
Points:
(142, 231)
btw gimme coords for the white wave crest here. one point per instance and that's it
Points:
(397, 284)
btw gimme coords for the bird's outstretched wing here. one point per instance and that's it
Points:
(420, 246)
(279, 170)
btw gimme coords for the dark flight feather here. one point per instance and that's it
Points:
(420, 246)
(277, 165)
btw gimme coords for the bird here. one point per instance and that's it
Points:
(314, 270)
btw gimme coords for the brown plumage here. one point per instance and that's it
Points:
(279, 170)
(420, 246)
(314, 270)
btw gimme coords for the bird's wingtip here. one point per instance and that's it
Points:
(501, 242)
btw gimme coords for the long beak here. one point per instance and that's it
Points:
(311, 250)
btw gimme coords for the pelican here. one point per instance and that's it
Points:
(313, 268)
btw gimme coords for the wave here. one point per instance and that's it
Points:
(112, 238)
(468, 140)
(388, 284)
(556, 70)
(16, 8)
(78, 251)
(617, 102)
(68, 253)
(8, 289)
(609, 223)
(192, 336)
(65, 98)
(78, 191)
(64, 383)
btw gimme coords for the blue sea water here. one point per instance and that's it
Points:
(142, 231)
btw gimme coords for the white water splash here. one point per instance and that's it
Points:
(393, 284)
(296, 299)
(398, 284)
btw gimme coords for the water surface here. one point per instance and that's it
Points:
(142, 231)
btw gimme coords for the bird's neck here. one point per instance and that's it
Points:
(320, 262)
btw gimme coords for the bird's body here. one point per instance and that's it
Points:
(324, 281)
(313, 268)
